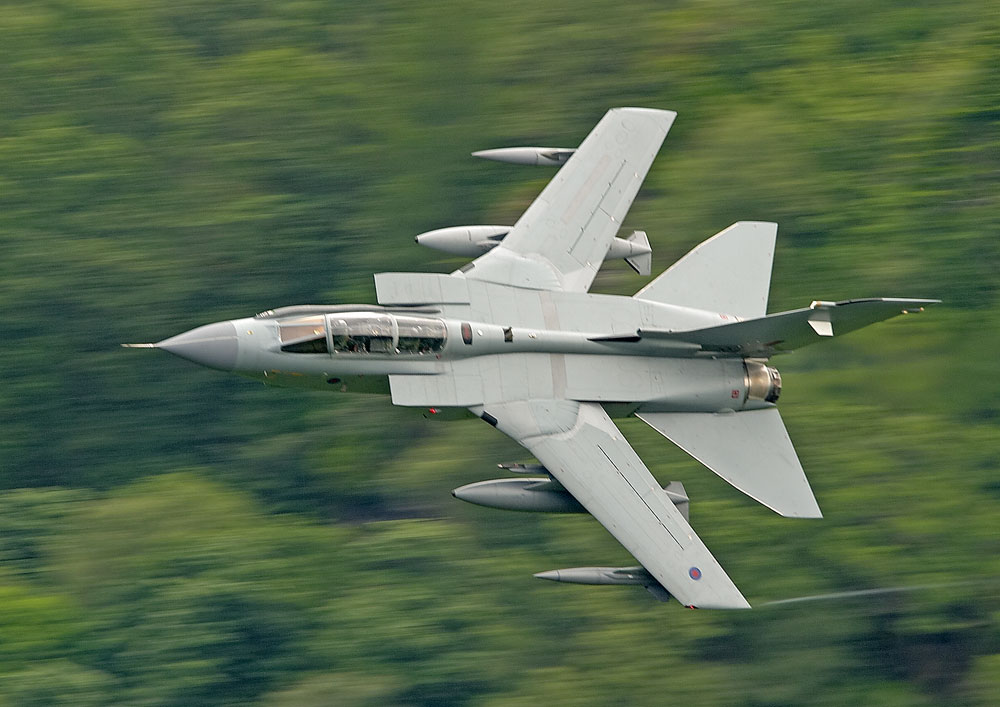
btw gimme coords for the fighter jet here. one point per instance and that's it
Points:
(515, 338)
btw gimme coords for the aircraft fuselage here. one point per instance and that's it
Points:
(360, 349)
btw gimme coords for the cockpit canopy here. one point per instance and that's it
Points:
(303, 335)
(362, 333)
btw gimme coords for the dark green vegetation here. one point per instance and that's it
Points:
(173, 536)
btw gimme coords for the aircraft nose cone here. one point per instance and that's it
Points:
(212, 345)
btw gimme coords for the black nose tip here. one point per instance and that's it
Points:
(212, 345)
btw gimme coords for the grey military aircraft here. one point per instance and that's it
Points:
(515, 338)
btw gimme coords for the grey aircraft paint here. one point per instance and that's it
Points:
(516, 339)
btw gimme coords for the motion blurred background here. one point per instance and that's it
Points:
(174, 536)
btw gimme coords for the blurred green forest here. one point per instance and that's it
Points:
(173, 536)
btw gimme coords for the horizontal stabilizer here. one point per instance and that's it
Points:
(787, 331)
(729, 273)
(751, 450)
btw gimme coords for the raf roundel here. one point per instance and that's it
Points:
(694, 573)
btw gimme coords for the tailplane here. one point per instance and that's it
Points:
(728, 273)
(750, 449)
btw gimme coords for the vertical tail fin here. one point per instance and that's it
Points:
(729, 273)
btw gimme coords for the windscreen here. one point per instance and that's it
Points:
(303, 335)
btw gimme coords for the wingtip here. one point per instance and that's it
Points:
(643, 109)
(741, 605)
(665, 117)
(796, 508)
(138, 346)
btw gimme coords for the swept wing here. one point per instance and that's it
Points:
(585, 452)
(560, 242)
